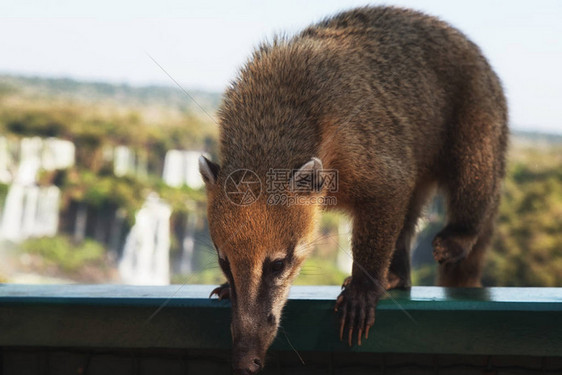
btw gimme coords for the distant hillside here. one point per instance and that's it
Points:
(96, 113)
(535, 138)
(156, 100)
(101, 92)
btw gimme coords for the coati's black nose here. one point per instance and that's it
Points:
(248, 365)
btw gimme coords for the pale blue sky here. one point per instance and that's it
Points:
(202, 43)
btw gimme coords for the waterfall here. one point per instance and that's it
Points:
(173, 168)
(13, 212)
(124, 161)
(30, 161)
(47, 220)
(29, 215)
(57, 154)
(30, 211)
(146, 255)
(182, 168)
(192, 176)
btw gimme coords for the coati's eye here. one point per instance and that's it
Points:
(277, 266)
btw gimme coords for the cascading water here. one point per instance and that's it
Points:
(30, 210)
(47, 219)
(182, 168)
(173, 168)
(12, 216)
(146, 255)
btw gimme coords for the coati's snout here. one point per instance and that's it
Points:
(247, 356)
(253, 330)
(260, 248)
(258, 291)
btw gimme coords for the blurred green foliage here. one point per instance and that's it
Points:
(317, 270)
(527, 247)
(63, 253)
(208, 276)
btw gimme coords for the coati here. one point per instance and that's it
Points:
(400, 104)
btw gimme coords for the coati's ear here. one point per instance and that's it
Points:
(308, 177)
(209, 170)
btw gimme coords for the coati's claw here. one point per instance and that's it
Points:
(222, 291)
(342, 321)
(357, 311)
(338, 302)
(370, 320)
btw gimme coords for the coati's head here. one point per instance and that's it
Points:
(261, 244)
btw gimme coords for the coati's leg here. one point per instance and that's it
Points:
(399, 274)
(376, 226)
(399, 271)
(467, 272)
(471, 177)
(467, 210)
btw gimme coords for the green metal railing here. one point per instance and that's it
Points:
(488, 321)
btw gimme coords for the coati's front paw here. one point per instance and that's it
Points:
(356, 305)
(222, 291)
(448, 250)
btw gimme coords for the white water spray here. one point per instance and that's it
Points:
(146, 256)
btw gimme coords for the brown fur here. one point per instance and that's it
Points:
(399, 103)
